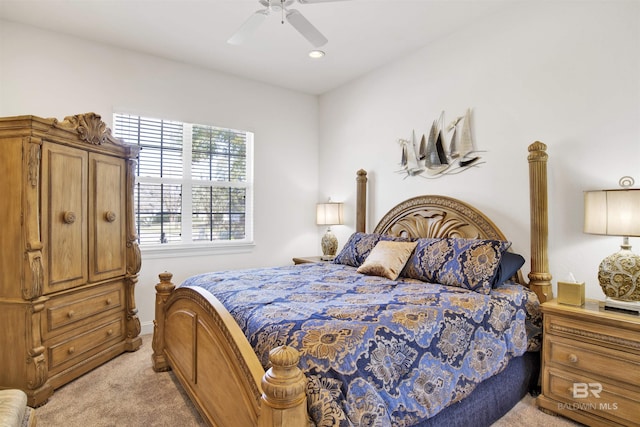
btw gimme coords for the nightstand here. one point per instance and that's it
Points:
(307, 259)
(591, 364)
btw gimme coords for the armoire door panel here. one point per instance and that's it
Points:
(64, 206)
(107, 238)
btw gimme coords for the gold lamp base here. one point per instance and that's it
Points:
(329, 244)
(619, 275)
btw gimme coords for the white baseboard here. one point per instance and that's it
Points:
(146, 328)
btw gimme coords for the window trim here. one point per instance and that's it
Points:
(180, 250)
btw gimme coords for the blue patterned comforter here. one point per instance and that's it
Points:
(378, 352)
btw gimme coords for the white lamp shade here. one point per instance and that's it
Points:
(329, 213)
(612, 212)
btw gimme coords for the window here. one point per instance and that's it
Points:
(193, 182)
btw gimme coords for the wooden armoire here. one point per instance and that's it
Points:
(69, 255)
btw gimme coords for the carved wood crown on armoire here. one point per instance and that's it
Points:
(69, 255)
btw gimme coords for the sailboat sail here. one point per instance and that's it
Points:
(442, 156)
(436, 160)
(410, 161)
(403, 160)
(466, 141)
(454, 152)
(465, 145)
(422, 153)
(453, 145)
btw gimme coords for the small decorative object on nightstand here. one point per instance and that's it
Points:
(617, 213)
(591, 364)
(571, 293)
(329, 214)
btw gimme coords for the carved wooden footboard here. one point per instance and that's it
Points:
(198, 338)
(193, 330)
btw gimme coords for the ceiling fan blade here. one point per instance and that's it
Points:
(305, 28)
(248, 28)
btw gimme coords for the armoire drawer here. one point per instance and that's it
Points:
(77, 308)
(85, 344)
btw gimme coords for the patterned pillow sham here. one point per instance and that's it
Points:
(359, 245)
(387, 259)
(465, 263)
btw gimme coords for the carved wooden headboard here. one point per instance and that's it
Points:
(437, 216)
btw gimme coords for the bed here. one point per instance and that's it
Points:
(360, 342)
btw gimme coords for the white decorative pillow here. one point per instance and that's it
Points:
(387, 259)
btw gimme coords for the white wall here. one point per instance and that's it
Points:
(51, 75)
(564, 73)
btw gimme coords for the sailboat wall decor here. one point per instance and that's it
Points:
(433, 158)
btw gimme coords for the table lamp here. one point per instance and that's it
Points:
(617, 213)
(329, 213)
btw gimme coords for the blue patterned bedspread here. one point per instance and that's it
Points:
(378, 352)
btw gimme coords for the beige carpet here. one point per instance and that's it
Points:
(127, 392)
(123, 392)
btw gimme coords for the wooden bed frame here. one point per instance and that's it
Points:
(198, 338)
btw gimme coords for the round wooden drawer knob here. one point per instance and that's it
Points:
(110, 216)
(70, 314)
(573, 358)
(71, 350)
(109, 301)
(69, 217)
(110, 332)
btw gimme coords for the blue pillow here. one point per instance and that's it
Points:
(509, 266)
(465, 263)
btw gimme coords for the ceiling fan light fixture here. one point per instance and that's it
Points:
(293, 17)
(316, 54)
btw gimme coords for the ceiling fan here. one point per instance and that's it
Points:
(295, 18)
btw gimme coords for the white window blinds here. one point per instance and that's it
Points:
(193, 183)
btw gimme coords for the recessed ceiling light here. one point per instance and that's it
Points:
(316, 54)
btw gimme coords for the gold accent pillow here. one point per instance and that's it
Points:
(387, 259)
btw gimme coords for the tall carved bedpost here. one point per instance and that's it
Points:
(361, 201)
(163, 291)
(539, 277)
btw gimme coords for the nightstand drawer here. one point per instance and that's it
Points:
(596, 333)
(593, 360)
(586, 394)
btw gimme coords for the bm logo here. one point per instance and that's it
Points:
(583, 390)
